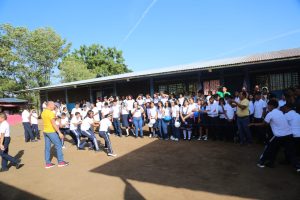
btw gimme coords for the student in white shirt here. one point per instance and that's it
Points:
(152, 115)
(175, 118)
(222, 120)
(105, 125)
(282, 101)
(283, 137)
(76, 109)
(258, 117)
(99, 105)
(125, 118)
(212, 110)
(96, 112)
(129, 104)
(229, 116)
(75, 122)
(27, 127)
(167, 117)
(116, 114)
(105, 110)
(186, 120)
(181, 99)
(34, 124)
(87, 130)
(293, 119)
(137, 113)
(4, 145)
(64, 127)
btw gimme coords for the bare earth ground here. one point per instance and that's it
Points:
(147, 169)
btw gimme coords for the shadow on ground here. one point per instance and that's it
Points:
(10, 192)
(215, 167)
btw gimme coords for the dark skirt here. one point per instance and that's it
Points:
(125, 120)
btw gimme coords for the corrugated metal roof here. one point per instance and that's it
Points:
(221, 63)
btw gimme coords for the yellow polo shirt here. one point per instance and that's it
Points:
(47, 116)
(245, 112)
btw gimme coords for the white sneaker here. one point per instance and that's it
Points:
(112, 155)
(150, 135)
(63, 147)
(199, 138)
(205, 138)
(176, 140)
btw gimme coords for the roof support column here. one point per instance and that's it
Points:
(115, 89)
(46, 94)
(199, 87)
(222, 82)
(91, 95)
(66, 96)
(151, 87)
(246, 82)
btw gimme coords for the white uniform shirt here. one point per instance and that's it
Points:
(221, 112)
(137, 112)
(4, 128)
(105, 111)
(34, 118)
(86, 123)
(251, 107)
(124, 110)
(259, 107)
(96, 114)
(74, 110)
(116, 111)
(278, 123)
(99, 105)
(212, 109)
(25, 116)
(181, 100)
(152, 113)
(281, 103)
(293, 119)
(160, 113)
(64, 122)
(164, 100)
(175, 111)
(140, 101)
(167, 112)
(105, 124)
(229, 111)
(129, 104)
(74, 120)
(184, 110)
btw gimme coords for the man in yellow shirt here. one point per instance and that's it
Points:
(53, 135)
(243, 119)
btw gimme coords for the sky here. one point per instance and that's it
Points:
(162, 33)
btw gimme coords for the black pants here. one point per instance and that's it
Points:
(271, 149)
(221, 129)
(259, 132)
(212, 128)
(229, 130)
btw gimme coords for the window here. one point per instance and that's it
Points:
(283, 80)
(211, 85)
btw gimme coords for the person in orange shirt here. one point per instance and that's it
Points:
(53, 135)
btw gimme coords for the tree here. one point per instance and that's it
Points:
(73, 69)
(28, 57)
(102, 61)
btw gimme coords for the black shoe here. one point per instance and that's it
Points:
(142, 136)
(33, 141)
(78, 148)
(19, 165)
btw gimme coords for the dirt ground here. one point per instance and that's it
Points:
(147, 169)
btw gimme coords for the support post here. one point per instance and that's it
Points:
(91, 95)
(66, 96)
(115, 89)
(151, 87)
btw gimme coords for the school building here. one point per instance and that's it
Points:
(276, 70)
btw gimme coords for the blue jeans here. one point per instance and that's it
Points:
(91, 136)
(117, 126)
(162, 128)
(28, 132)
(175, 130)
(54, 139)
(5, 156)
(138, 124)
(35, 130)
(244, 131)
(105, 136)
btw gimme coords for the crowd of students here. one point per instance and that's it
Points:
(221, 116)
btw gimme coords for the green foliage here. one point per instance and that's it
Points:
(102, 61)
(28, 57)
(73, 69)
